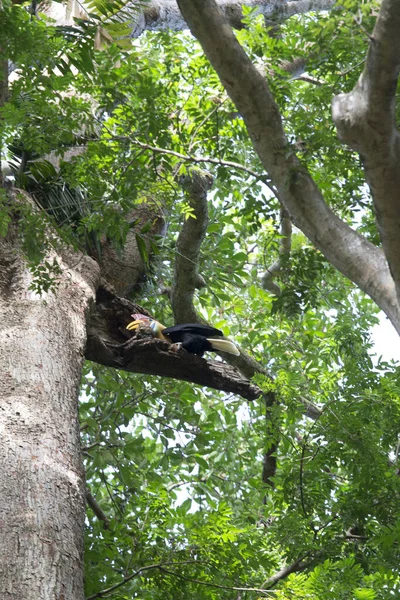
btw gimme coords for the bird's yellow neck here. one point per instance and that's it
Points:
(157, 330)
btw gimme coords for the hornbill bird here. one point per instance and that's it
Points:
(193, 337)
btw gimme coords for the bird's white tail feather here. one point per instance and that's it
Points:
(224, 346)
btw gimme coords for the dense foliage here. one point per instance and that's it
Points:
(175, 468)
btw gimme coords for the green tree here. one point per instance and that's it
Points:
(160, 176)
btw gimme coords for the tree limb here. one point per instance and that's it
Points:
(295, 567)
(165, 14)
(114, 587)
(96, 508)
(194, 159)
(186, 269)
(110, 343)
(349, 252)
(365, 119)
(214, 585)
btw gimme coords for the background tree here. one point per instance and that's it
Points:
(141, 177)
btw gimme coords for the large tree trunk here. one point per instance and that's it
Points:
(42, 340)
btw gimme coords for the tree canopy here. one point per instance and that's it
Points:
(286, 486)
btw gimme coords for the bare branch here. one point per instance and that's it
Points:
(215, 585)
(365, 120)
(96, 508)
(349, 252)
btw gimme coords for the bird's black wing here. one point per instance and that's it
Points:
(176, 332)
(195, 344)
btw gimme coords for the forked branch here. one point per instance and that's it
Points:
(353, 255)
(365, 119)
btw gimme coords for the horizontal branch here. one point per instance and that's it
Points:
(260, 176)
(165, 14)
(215, 585)
(116, 586)
(295, 567)
(155, 357)
(111, 344)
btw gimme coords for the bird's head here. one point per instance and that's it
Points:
(154, 325)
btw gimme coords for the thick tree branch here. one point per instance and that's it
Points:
(110, 344)
(365, 120)
(349, 252)
(154, 357)
(165, 14)
(186, 271)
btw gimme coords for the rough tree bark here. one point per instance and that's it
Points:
(42, 342)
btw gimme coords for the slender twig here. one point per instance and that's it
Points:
(114, 587)
(196, 159)
(215, 585)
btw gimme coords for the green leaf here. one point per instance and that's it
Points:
(141, 244)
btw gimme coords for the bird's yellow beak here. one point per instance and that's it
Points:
(135, 324)
(155, 326)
